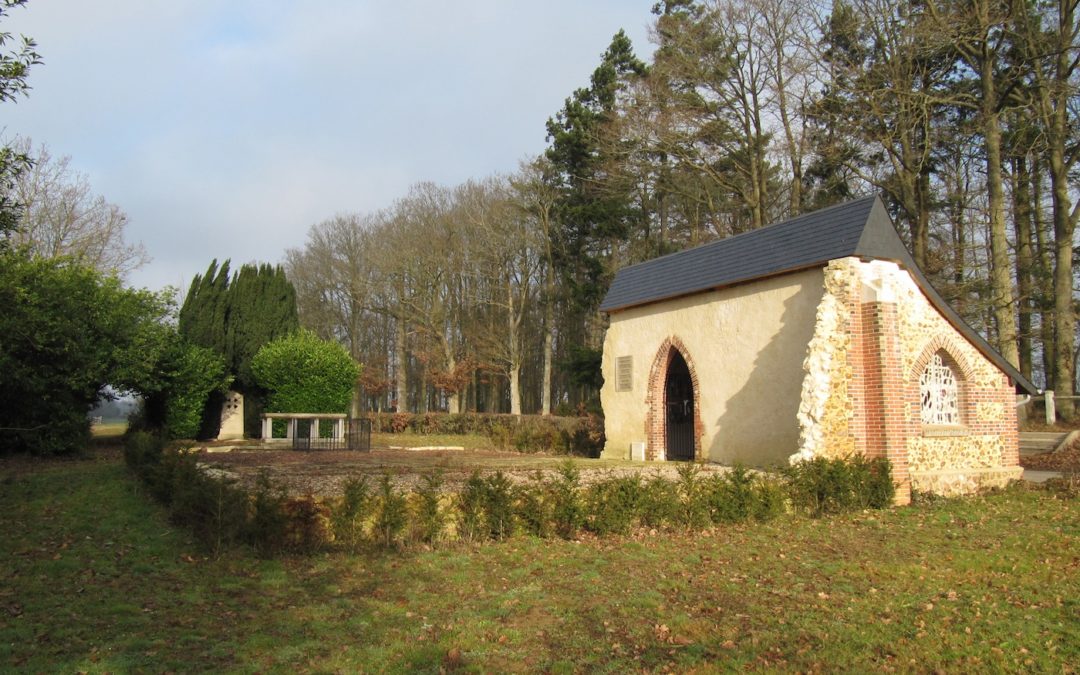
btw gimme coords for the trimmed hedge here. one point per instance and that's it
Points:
(491, 507)
(305, 374)
(581, 436)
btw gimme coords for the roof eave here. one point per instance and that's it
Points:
(740, 282)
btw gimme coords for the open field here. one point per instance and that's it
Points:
(94, 579)
(108, 430)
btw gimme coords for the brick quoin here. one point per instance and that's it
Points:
(656, 415)
(887, 401)
(884, 424)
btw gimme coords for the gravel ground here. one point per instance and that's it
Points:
(322, 473)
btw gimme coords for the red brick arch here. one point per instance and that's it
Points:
(942, 342)
(656, 417)
(953, 357)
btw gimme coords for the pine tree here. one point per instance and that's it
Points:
(591, 222)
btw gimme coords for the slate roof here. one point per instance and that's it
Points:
(860, 228)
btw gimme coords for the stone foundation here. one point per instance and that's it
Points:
(952, 483)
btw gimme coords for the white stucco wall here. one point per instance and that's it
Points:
(747, 344)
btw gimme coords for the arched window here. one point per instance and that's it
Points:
(940, 394)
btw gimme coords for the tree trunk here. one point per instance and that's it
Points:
(1024, 261)
(1000, 277)
(401, 379)
(1045, 285)
(549, 350)
(1064, 320)
(453, 398)
(514, 314)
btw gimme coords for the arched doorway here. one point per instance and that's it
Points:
(679, 410)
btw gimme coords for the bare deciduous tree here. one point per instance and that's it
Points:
(62, 216)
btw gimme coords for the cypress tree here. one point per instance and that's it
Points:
(235, 316)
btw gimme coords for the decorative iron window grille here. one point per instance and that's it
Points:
(940, 404)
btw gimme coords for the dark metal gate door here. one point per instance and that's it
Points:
(302, 435)
(679, 403)
(359, 434)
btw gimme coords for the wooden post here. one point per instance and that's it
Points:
(1051, 410)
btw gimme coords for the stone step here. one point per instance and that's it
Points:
(1036, 442)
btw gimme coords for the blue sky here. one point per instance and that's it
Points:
(227, 129)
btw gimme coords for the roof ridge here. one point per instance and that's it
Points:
(757, 230)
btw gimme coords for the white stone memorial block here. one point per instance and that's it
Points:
(232, 417)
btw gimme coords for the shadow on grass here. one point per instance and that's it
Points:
(95, 579)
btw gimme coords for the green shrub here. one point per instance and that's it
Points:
(875, 482)
(268, 524)
(305, 373)
(307, 526)
(498, 501)
(195, 373)
(216, 511)
(211, 507)
(471, 508)
(501, 435)
(820, 486)
(659, 505)
(568, 512)
(349, 513)
(142, 450)
(391, 514)
(612, 504)
(770, 498)
(429, 520)
(532, 508)
(693, 510)
(731, 497)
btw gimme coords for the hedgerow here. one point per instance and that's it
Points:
(582, 436)
(490, 507)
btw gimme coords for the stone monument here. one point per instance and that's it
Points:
(232, 417)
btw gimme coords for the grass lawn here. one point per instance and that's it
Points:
(92, 578)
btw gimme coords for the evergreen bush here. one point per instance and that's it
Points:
(568, 512)
(498, 504)
(659, 504)
(613, 504)
(693, 512)
(471, 508)
(391, 514)
(267, 527)
(429, 520)
(820, 486)
(305, 374)
(532, 507)
(349, 513)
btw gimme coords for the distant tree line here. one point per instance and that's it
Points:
(962, 114)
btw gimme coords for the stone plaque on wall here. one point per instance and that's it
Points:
(232, 417)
